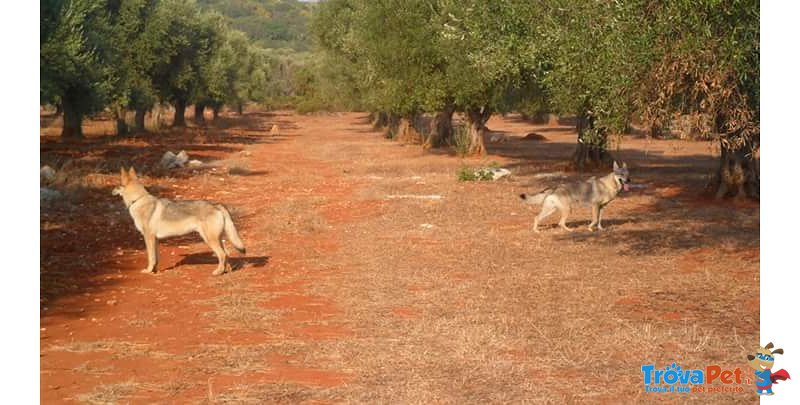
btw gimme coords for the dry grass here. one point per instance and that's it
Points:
(120, 349)
(240, 310)
(227, 359)
(176, 388)
(111, 393)
(238, 306)
(268, 393)
(502, 315)
(86, 368)
(475, 308)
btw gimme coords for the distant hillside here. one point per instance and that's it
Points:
(269, 23)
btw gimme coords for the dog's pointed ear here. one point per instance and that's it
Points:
(769, 345)
(123, 175)
(132, 174)
(777, 351)
(616, 166)
(750, 357)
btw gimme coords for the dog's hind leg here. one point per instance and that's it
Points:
(216, 246)
(564, 214)
(548, 207)
(213, 238)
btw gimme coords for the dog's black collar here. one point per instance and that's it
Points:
(134, 201)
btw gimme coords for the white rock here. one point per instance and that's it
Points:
(171, 160)
(48, 194)
(167, 160)
(498, 138)
(495, 173)
(46, 174)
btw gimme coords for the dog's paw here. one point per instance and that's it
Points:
(218, 272)
(148, 271)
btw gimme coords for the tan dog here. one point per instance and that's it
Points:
(159, 218)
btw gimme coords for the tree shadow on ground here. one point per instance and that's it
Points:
(106, 154)
(679, 211)
(673, 231)
(88, 234)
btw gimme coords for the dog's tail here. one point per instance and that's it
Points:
(230, 230)
(536, 198)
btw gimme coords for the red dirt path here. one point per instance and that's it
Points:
(344, 296)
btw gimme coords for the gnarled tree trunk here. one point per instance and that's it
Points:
(476, 120)
(199, 111)
(540, 118)
(656, 130)
(122, 126)
(215, 111)
(442, 127)
(119, 119)
(392, 127)
(73, 117)
(138, 120)
(180, 112)
(408, 131)
(591, 151)
(380, 119)
(239, 108)
(739, 173)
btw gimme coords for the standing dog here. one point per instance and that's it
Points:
(594, 192)
(159, 218)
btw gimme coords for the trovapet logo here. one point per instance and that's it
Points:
(675, 378)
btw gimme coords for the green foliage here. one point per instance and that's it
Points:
(607, 61)
(183, 41)
(130, 54)
(595, 52)
(706, 60)
(604, 61)
(73, 66)
(419, 56)
(470, 174)
(269, 24)
(462, 142)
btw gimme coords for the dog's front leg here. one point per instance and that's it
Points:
(595, 218)
(151, 243)
(600, 218)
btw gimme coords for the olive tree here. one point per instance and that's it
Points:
(182, 40)
(73, 59)
(597, 53)
(707, 62)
